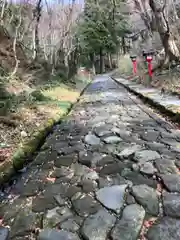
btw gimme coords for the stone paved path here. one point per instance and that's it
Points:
(165, 101)
(109, 171)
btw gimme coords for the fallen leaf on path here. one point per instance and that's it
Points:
(159, 188)
(148, 223)
(52, 180)
(4, 154)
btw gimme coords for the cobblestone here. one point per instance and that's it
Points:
(128, 227)
(101, 173)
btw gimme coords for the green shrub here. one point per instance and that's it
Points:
(38, 96)
(125, 64)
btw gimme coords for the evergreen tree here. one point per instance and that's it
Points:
(101, 28)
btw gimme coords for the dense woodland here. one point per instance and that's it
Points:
(63, 36)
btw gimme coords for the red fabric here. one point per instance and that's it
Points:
(134, 67)
(150, 69)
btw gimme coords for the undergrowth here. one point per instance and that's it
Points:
(125, 64)
(26, 108)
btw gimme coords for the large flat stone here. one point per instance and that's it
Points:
(70, 225)
(129, 226)
(105, 160)
(112, 168)
(172, 182)
(62, 172)
(97, 226)
(112, 139)
(55, 216)
(146, 156)
(85, 205)
(91, 159)
(150, 136)
(115, 179)
(85, 158)
(165, 166)
(72, 190)
(65, 160)
(53, 234)
(147, 197)
(166, 229)
(155, 146)
(24, 222)
(171, 204)
(148, 168)
(138, 179)
(102, 131)
(123, 133)
(112, 197)
(91, 139)
(128, 152)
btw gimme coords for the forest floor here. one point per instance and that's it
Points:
(29, 109)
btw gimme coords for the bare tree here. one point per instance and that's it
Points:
(15, 42)
(145, 14)
(58, 40)
(43, 33)
(159, 9)
(37, 16)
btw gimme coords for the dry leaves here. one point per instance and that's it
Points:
(159, 188)
(146, 225)
(52, 180)
(5, 154)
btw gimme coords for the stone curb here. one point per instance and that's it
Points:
(23, 154)
(153, 97)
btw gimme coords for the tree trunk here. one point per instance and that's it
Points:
(91, 56)
(110, 61)
(123, 46)
(73, 64)
(163, 26)
(37, 16)
(101, 58)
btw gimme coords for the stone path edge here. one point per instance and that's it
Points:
(175, 116)
(9, 168)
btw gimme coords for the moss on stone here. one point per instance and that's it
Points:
(6, 170)
(38, 96)
(23, 153)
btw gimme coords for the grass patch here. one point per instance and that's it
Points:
(125, 64)
(60, 93)
(33, 116)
